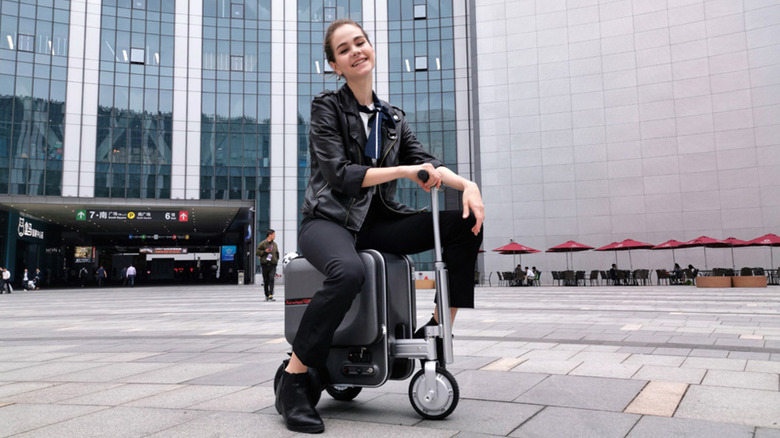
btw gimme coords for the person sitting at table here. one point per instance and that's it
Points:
(519, 276)
(613, 275)
(694, 271)
(677, 274)
(530, 276)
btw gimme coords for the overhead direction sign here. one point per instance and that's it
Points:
(114, 215)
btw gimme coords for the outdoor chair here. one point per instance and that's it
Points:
(580, 277)
(689, 275)
(500, 278)
(623, 276)
(641, 275)
(718, 272)
(594, 276)
(556, 275)
(510, 278)
(758, 271)
(746, 272)
(605, 277)
(568, 278)
(662, 275)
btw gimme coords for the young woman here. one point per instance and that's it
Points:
(359, 147)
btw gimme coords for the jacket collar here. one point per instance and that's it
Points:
(349, 104)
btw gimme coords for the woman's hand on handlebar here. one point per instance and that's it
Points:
(434, 177)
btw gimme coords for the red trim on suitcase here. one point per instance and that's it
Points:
(298, 301)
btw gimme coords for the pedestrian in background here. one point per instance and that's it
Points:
(101, 276)
(131, 276)
(7, 281)
(268, 252)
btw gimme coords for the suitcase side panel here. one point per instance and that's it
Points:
(361, 324)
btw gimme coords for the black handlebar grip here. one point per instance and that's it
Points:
(423, 175)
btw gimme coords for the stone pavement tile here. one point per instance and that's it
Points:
(470, 347)
(596, 356)
(636, 350)
(605, 369)
(546, 366)
(554, 422)
(18, 418)
(654, 359)
(558, 355)
(654, 427)
(763, 366)
(229, 424)
(693, 340)
(601, 348)
(578, 392)
(119, 422)
(503, 364)
(672, 351)
(752, 355)
(119, 395)
(569, 347)
(184, 397)
(741, 379)
(344, 428)
(108, 372)
(11, 389)
(468, 362)
(485, 417)
(56, 393)
(670, 374)
(715, 363)
(250, 399)
(241, 375)
(734, 405)
(170, 358)
(44, 371)
(658, 398)
(498, 386)
(377, 408)
(767, 433)
(178, 373)
(705, 352)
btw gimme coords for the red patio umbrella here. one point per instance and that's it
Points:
(669, 244)
(626, 245)
(770, 240)
(702, 241)
(569, 247)
(515, 248)
(729, 242)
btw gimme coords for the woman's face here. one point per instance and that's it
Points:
(353, 53)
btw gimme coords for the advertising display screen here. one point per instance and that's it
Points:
(83, 254)
(228, 253)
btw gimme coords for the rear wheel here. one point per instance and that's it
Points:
(343, 393)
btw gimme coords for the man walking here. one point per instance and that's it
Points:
(7, 281)
(268, 252)
(131, 275)
(101, 276)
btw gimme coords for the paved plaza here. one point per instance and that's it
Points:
(199, 361)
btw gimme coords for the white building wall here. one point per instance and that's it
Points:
(651, 120)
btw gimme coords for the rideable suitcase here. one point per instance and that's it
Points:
(374, 342)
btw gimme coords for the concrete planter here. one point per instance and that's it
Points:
(713, 281)
(753, 281)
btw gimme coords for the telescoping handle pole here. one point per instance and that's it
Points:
(442, 278)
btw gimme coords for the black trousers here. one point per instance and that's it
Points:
(332, 249)
(269, 273)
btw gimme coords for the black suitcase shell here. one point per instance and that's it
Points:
(382, 312)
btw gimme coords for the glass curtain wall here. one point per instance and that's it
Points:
(236, 103)
(34, 56)
(422, 83)
(135, 100)
(314, 73)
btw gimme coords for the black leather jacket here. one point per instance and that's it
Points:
(338, 164)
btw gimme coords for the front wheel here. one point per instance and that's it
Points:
(434, 406)
(343, 393)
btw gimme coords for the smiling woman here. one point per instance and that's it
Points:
(360, 147)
